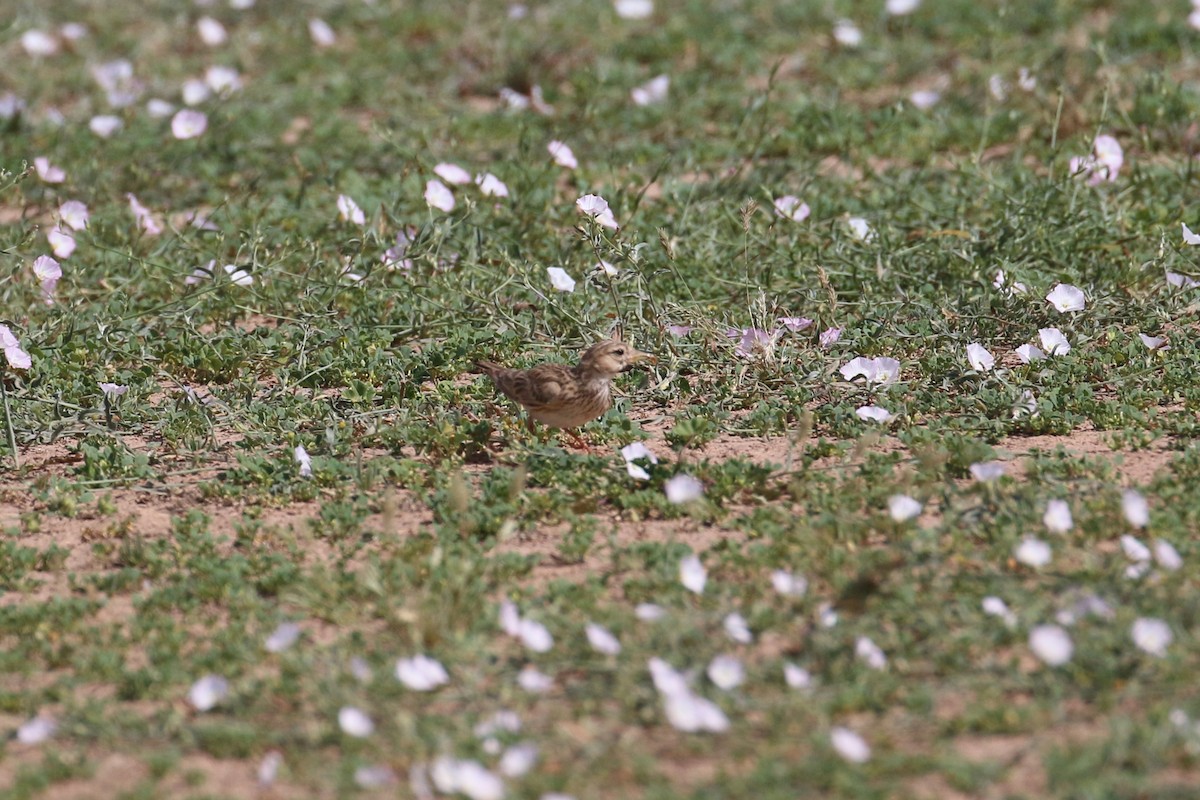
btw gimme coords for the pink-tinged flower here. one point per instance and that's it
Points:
(1154, 342)
(1057, 518)
(17, 358)
(998, 88)
(1001, 283)
(692, 573)
(201, 274)
(898, 8)
(1178, 281)
(1167, 556)
(726, 672)
(452, 173)
(795, 324)
(322, 35)
(796, 677)
(791, 207)
(238, 275)
(562, 154)
(924, 99)
(491, 186)
(74, 215)
(1065, 297)
(349, 211)
(1152, 635)
(37, 730)
(1026, 79)
(374, 776)
(1051, 644)
(1189, 238)
(1054, 342)
(1135, 508)
(62, 242)
(112, 391)
(222, 80)
(902, 508)
(652, 91)
(355, 722)
(439, 196)
(979, 357)
(633, 9)
(39, 43)
(452, 776)
(679, 330)
(207, 692)
(602, 640)
(421, 673)
(48, 272)
(560, 280)
(829, 337)
(752, 341)
(1028, 353)
(869, 653)
(396, 256)
(268, 768)
(861, 229)
(596, 207)
(285, 634)
(188, 124)
(50, 173)
(995, 607)
(1103, 165)
(692, 713)
(195, 91)
(10, 105)
(987, 471)
(1194, 18)
(534, 681)
(1033, 552)
(513, 99)
(874, 414)
(737, 628)
(846, 33)
(145, 220)
(881, 370)
(212, 32)
(849, 745)
(303, 462)
(788, 583)
(105, 125)
(73, 31)
(632, 453)
(518, 760)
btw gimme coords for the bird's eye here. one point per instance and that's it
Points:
(618, 352)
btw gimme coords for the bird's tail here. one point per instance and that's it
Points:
(488, 367)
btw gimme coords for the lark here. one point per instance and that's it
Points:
(560, 396)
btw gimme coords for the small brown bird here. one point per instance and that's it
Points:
(560, 396)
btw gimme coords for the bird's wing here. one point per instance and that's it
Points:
(540, 388)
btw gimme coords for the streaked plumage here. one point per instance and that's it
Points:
(560, 396)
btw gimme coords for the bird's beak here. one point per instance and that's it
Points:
(638, 355)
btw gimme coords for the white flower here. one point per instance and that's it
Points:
(903, 508)
(421, 673)
(596, 207)
(898, 8)
(322, 35)
(791, 207)
(1026, 80)
(979, 358)
(1152, 635)
(652, 91)
(518, 760)
(829, 337)
(631, 453)
(113, 390)
(439, 196)
(238, 276)
(1153, 342)
(188, 124)
(1166, 555)
(360, 669)
(1001, 283)
(562, 155)
(796, 677)
(37, 730)
(1051, 644)
(560, 280)
(283, 637)
(869, 653)
(212, 32)
(1028, 353)
(145, 220)
(534, 635)
(602, 640)
(491, 186)
(649, 612)
(1057, 518)
(726, 672)
(195, 91)
(849, 745)
(873, 414)
(880, 370)
(1065, 297)
(534, 681)
(355, 722)
(207, 692)
(17, 358)
(847, 34)
(1033, 552)
(827, 615)
(861, 229)
(74, 215)
(995, 607)
(1178, 281)
(452, 173)
(158, 108)
(633, 9)
(924, 99)
(683, 489)
(789, 584)
(691, 713)
(692, 574)
(667, 679)
(39, 43)
(1134, 550)
(737, 629)
(1190, 238)
(48, 272)
(105, 125)
(985, 471)
(469, 778)
(348, 210)
(48, 172)
(1026, 406)
(268, 768)
(374, 776)
(1054, 342)
(222, 80)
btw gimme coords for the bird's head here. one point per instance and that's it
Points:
(611, 357)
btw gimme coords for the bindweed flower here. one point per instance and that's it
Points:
(849, 745)
(898, 8)
(17, 358)
(652, 91)
(1135, 508)
(1166, 555)
(49, 173)
(1103, 165)
(1057, 518)
(979, 357)
(880, 371)
(321, 34)
(874, 414)
(683, 489)
(792, 207)
(518, 760)
(752, 341)
(452, 173)
(562, 154)
(1033, 552)
(112, 391)
(726, 672)
(597, 208)
(48, 272)
(847, 34)
(737, 629)
(795, 324)
(869, 653)
(303, 460)
(534, 681)
(924, 99)
(207, 692)
(829, 337)
(349, 211)
(1054, 342)
(439, 196)
(796, 677)
(649, 612)
(145, 219)
(491, 186)
(374, 776)
(105, 125)
(1152, 635)
(1028, 353)
(37, 730)
(633, 9)
(789, 584)
(986, 471)
(602, 640)
(634, 452)
(212, 32)
(902, 508)
(268, 768)
(468, 778)
(560, 280)
(1051, 644)
(860, 229)
(421, 673)
(355, 722)
(74, 215)
(283, 637)
(1189, 238)
(1065, 297)
(1154, 342)
(188, 124)
(692, 574)
(223, 81)
(995, 607)
(38, 43)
